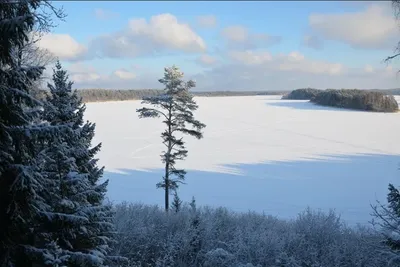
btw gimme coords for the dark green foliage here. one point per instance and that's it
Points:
(388, 220)
(17, 20)
(302, 94)
(356, 99)
(21, 182)
(78, 201)
(394, 206)
(176, 202)
(309, 93)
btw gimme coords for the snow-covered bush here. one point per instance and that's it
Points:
(218, 257)
(219, 237)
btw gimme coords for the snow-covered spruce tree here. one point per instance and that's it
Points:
(176, 107)
(387, 218)
(87, 229)
(176, 203)
(22, 185)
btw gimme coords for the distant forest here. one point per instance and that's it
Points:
(368, 100)
(101, 95)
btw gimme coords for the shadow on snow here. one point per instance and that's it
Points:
(348, 184)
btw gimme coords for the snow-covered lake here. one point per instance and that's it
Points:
(258, 153)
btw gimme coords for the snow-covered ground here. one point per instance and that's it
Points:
(258, 153)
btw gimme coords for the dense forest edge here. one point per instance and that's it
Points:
(104, 95)
(366, 100)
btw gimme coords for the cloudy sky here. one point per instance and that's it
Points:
(228, 45)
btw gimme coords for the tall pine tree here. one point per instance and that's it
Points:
(175, 107)
(87, 222)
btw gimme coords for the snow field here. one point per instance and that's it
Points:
(258, 153)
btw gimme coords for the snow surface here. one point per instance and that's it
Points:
(258, 153)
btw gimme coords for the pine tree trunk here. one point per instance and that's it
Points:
(167, 160)
(166, 186)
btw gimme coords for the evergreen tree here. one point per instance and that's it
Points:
(87, 228)
(195, 235)
(22, 185)
(176, 107)
(192, 204)
(176, 203)
(389, 215)
(388, 219)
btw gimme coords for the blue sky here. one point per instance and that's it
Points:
(258, 45)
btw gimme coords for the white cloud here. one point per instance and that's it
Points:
(248, 70)
(87, 76)
(235, 33)
(83, 73)
(162, 33)
(293, 61)
(374, 27)
(240, 37)
(249, 57)
(206, 60)
(63, 46)
(259, 77)
(125, 74)
(206, 21)
(102, 14)
(368, 69)
(166, 29)
(261, 70)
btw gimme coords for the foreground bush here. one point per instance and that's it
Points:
(217, 237)
(302, 94)
(357, 99)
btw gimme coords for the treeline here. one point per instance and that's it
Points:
(368, 100)
(220, 238)
(388, 91)
(102, 95)
(302, 94)
(308, 93)
(99, 95)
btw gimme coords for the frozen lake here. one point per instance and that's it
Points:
(258, 153)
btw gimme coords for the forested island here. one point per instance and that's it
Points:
(367, 100)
